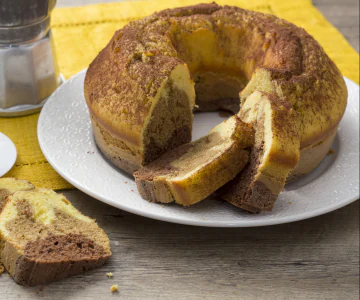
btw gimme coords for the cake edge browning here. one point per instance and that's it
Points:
(29, 271)
(312, 156)
(122, 155)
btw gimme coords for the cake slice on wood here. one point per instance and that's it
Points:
(43, 238)
(275, 153)
(193, 171)
(9, 186)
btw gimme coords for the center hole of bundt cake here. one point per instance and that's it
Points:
(205, 121)
(217, 60)
(217, 98)
(218, 89)
(219, 73)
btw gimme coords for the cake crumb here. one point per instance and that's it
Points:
(110, 275)
(331, 151)
(39, 290)
(145, 58)
(2, 269)
(114, 288)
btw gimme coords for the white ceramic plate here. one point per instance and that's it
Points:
(7, 154)
(66, 139)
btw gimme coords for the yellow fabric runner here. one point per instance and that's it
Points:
(81, 32)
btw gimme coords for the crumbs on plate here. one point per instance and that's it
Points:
(114, 288)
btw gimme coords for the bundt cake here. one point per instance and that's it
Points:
(275, 153)
(9, 186)
(141, 87)
(193, 171)
(43, 238)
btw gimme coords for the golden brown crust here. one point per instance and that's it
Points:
(122, 155)
(311, 157)
(273, 56)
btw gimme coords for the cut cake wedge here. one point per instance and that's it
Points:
(43, 238)
(191, 172)
(276, 152)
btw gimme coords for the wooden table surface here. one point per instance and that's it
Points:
(311, 259)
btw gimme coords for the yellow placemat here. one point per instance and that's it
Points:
(81, 32)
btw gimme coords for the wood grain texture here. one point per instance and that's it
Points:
(311, 259)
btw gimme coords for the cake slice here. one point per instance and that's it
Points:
(9, 186)
(193, 171)
(43, 238)
(275, 153)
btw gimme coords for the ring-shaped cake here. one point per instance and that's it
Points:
(143, 87)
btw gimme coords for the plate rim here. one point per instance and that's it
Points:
(201, 223)
(13, 148)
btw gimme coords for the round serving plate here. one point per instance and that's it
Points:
(66, 139)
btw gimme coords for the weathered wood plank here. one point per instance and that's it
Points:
(310, 259)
